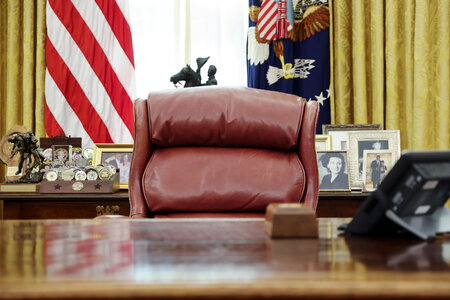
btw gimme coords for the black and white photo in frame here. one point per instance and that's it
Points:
(333, 171)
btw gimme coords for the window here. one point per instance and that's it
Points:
(168, 34)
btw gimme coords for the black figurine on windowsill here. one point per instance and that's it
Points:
(193, 78)
(211, 75)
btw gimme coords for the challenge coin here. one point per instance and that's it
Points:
(51, 175)
(104, 174)
(91, 174)
(77, 186)
(67, 174)
(88, 153)
(80, 175)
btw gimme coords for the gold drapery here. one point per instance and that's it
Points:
(390, 65)
(22, 61)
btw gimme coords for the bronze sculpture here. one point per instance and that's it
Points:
(193, 78)
(212, 75)
(29, 158)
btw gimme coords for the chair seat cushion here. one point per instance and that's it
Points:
(217, 179)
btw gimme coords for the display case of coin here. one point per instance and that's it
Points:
(74, 179)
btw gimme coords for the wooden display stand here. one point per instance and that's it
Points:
(81, 187)
(47, 142)
(19, 188)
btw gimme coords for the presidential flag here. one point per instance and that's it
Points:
(288, 50)
(90, 81)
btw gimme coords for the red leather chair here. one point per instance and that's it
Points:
(215, 151)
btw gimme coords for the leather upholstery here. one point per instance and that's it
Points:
(225, 118)
(214, 151)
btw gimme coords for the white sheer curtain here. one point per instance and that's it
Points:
(172, 33)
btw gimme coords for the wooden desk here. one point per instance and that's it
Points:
(71, 206)
(218, 259)
(61, 206)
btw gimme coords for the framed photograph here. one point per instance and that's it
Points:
(333, 171)
(376, 164)
(339, 133)
(118, 155)
(369, 140)
(323, 142)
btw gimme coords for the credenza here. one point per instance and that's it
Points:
(80, 206)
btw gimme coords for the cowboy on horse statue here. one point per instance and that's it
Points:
(193, 78)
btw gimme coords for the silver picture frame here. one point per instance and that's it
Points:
(339, 133)
(387, 161)
(369, 140)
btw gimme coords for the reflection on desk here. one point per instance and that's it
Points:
(218, 258)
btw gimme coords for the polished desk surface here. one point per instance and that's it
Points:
(212, 258)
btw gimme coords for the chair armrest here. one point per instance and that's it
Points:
(307, 154)
(142, 152)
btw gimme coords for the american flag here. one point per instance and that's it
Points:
(90, 83)
(272, 22)
(267, 20)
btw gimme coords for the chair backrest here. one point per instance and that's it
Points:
(222, 150)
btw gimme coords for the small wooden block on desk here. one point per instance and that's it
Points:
(290, 221)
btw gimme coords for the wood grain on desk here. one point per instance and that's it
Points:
(220, 259)
(73, 206)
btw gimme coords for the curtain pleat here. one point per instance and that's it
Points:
(22, 60)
